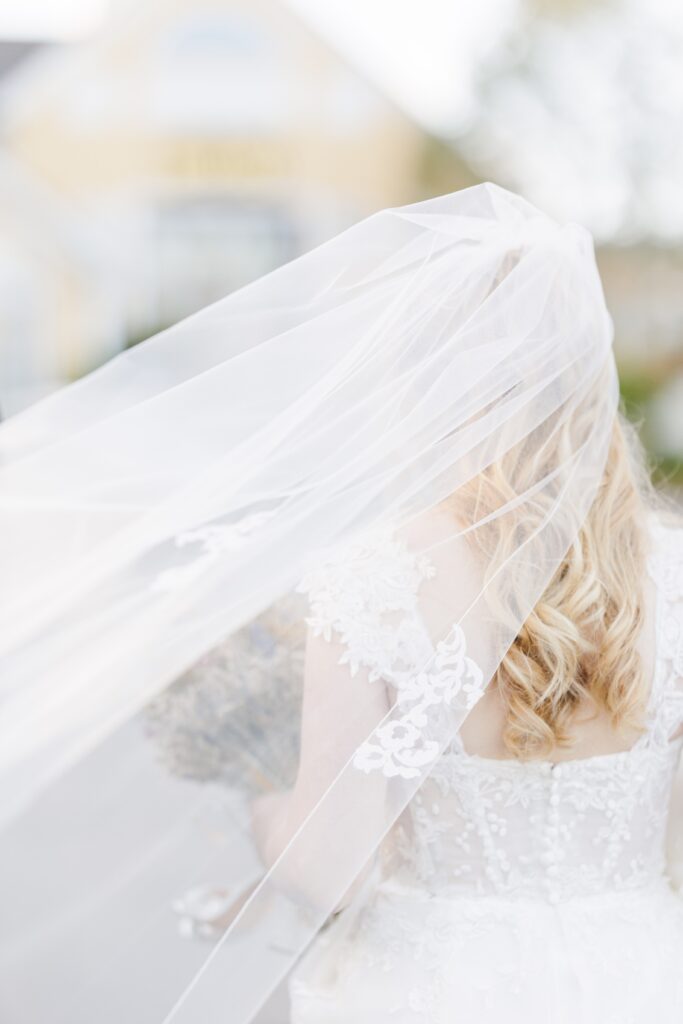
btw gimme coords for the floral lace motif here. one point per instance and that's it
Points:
(366, 596)
(206, 544)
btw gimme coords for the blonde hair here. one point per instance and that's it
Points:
(578, 645)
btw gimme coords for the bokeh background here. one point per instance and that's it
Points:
(156, 155)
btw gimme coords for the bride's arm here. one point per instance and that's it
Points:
(391, 593)
(339, 711)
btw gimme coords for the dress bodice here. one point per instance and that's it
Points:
(552, 831)
(481, 826)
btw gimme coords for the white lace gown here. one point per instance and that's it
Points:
(526, 892)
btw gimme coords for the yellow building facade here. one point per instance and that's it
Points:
(201, 143)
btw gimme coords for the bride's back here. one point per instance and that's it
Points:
(590, 819)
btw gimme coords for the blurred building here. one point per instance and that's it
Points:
(643, 285)
(196, 144)
(191, 147)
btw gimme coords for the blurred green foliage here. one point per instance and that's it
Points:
(637, 392)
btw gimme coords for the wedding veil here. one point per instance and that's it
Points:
(255, 573)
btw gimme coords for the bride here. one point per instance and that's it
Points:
(342, 642)
(527, 881)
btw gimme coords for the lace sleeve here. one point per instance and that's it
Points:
(363, 632)
(384, 655)
(366, 599)
(365, 596)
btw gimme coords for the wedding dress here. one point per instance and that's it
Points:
(511, 891)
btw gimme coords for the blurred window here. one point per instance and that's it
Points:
(208, 246)
(219, 72)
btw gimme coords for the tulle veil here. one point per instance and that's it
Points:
(256, 572)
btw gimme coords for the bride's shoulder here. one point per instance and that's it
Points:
(371, 572)
(420, 565)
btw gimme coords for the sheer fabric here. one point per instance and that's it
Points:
(193, 777)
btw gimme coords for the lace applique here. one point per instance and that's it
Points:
(400, 747)
(206, 544)
(366, 595)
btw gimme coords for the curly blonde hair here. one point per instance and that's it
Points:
(578, 644)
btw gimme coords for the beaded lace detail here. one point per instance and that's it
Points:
(479, 826)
